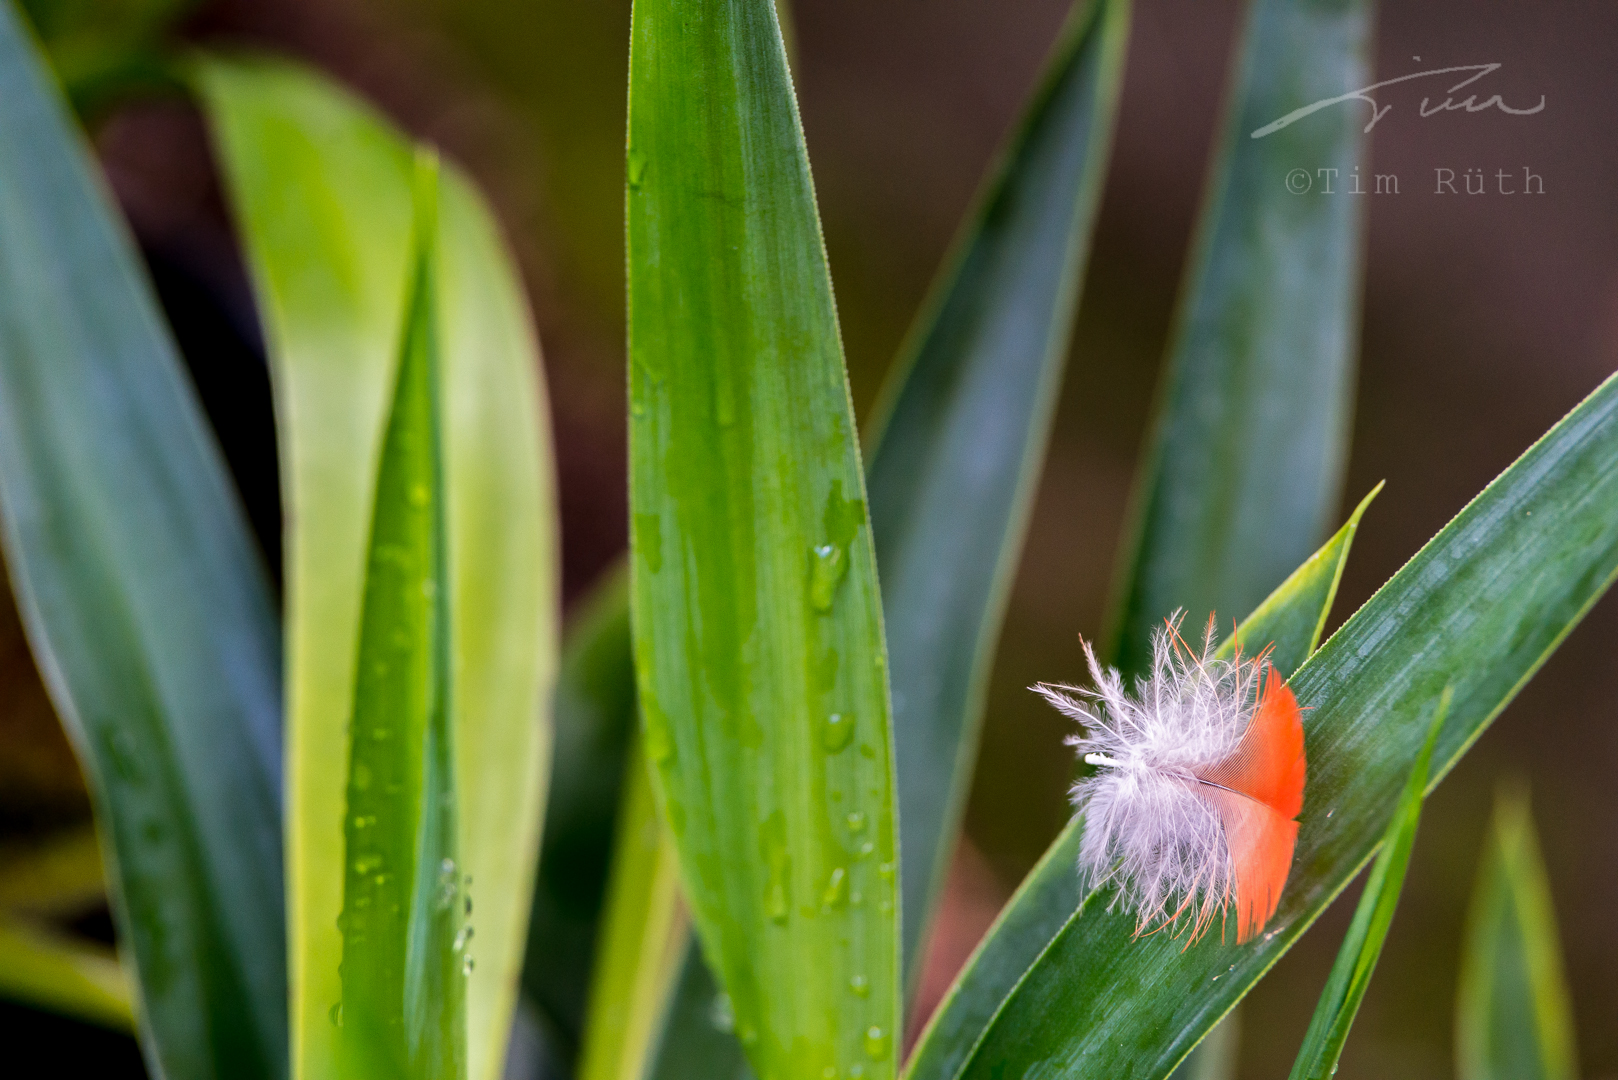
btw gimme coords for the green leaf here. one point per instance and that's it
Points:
(322, 191)
(1362, 945)
(1512, 1015)
(595, 721)
(144, 599)
(1289, 620)
(1247, 450)
(403, 1002)
(643, 939)
(758, 624)
(965, 419)
(1480, 607)
(60, 876)
(52, 971)
(963, 437)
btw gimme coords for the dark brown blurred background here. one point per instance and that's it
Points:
(1486, 318)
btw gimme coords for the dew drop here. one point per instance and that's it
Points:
(420, 495)
(747, 1034)
(721, 1014)
(859, 985)
(365, 864)
(778, 887)
(866, 849)
(856, 1072)
(876, 1043)
(776, 904)
(125, 754)
(835, 894)
(885, 871)
(336, 1015)
(658, 740)
(462, 936)
(724, 399)
(829, 1073)
(637, 169)
(448, 884)
(467, 964)
(361, 776)
(828, 566)
(837, 732)
(856, 821)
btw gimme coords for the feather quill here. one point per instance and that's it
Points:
(1201, 778)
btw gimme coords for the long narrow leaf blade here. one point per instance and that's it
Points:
(758, 625)
(1250, 439)
(1289, 620)
(403, 1002)
(1480, 607)
(1356, 959)
(50, 971)
(643, 939)
(595, 723)
(144, 600)
(965, 419)
(321, 188)
(1512, 1014)
(60, 876)
(953, 469)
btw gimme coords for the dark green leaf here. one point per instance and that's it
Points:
(758, 624)
(1362, 945)
(963, 438)
(1480, 607)
(1246, 454)
(1513, 1020)
(145, 602)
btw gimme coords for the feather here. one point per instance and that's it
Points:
(1201, 779)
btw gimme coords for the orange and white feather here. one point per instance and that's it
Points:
(1201, 772)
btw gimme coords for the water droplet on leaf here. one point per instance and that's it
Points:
(721, 1014)
(836, 891)
(837, 732)
(827, 568)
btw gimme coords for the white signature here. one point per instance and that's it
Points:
(1470, 103)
